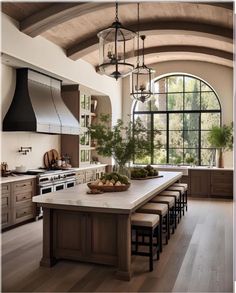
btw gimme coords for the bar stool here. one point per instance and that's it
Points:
(170, 201)
(176, 196)
(147, 225)
(179, 189)
(185, 186)
(160, 209)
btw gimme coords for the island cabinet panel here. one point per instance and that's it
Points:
(85, 236)
(222, 184)
(200, 183)
(102, 237)
(69, 234)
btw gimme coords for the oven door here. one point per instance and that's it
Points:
(70, 183)
(59, 186)
(43, 189)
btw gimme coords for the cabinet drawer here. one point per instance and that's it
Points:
(24, 196)
(6, 201)
(222, 176)
(5, 218)
(23, 213)
(5, 188)
(222, 189)
(21, 186)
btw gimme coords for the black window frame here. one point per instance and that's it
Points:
(167, 112)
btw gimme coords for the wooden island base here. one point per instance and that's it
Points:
(95, 228)
(88, 237)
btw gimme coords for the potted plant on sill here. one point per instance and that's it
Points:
(122, 141)
(221, 138)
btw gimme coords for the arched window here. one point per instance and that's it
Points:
(183, 109)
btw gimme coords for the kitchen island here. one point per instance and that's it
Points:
(95, 227)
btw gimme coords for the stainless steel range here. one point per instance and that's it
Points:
(54, 180)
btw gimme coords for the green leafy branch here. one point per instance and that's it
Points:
(122, 141)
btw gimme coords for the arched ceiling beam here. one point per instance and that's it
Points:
(58, 13)
(55, 14)
(151, 28)
(186, 49)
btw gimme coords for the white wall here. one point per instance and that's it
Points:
(45, 56)
(218, 76)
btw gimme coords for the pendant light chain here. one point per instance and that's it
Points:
(116, 17)
(138, 27)
(143, 38)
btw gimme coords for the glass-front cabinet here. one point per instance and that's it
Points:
(85, 122)
(82, 105)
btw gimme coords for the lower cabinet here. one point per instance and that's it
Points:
(82, 236)
(84, 176)
(210, 183)
(222, 183)
(200, 183)
(17, 203)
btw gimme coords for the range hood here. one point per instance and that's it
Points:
(37, 106)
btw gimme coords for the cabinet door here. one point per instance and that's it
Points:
(6, 205)
(222, 183)
(200, 183)
(69, 234)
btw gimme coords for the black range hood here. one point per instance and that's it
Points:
(37, 106)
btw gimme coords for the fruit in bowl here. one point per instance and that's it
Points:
(145, 172)
(111, 182)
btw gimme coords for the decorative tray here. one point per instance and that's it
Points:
(148, 177)
(113, 188)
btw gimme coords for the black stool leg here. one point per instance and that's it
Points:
(150, 251)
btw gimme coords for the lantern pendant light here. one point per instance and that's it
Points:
(115, 44)
(142, 76)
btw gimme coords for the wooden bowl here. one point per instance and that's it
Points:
(109, 188)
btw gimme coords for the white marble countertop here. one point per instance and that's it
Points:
(92, 166)
(185, 169)
(139, 192)
(11, 178)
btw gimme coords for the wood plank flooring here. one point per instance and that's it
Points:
(198, 258)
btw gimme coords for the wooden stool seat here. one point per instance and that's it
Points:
(164, 199)
(144, 220)
(180, 189)
(154, 208)
(184, 185)
(170, 193)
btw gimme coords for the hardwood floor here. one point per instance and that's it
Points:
(198, 258)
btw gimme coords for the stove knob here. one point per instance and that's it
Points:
(51, 179)
(59, 176)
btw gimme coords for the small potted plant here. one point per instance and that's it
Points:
(221, 138)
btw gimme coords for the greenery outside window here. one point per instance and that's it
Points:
(183, 109)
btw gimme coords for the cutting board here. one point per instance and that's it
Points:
(49, 157)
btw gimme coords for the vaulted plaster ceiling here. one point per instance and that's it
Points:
(200, 31)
